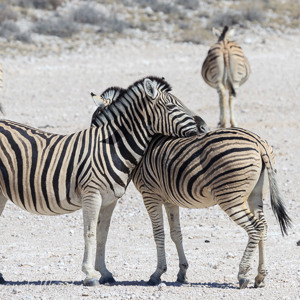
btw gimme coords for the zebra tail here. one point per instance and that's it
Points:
(277, 203)
(226, 60)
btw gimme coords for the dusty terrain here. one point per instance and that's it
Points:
(41, 256)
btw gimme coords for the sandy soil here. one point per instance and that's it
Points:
(41, 256)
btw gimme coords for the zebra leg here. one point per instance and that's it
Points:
(154, 209)
(102, 232)
(255, 202)
(91, 204)
(3, 201)
(254, 228)
(175, 231)
(233, 122)
(222, 104)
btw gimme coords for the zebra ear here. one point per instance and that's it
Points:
(216, 32)
(99, 101)
(150, 88)
(230, 33)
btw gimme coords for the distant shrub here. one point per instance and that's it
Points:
(39, 4)
(87, 14)
(228, 18)
(113, 24)
(189, 4)
(59, 26)
(7, 13)
(9, 29)
(253, 14)
(24, 37)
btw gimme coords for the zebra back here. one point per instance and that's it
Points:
(225, 63)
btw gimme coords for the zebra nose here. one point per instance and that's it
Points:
(201, 125)
(191, 133)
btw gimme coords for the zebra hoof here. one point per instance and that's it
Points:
(259, 284)
(243, 283)
(182, 279)
(2, 281)
(154, 281)
(107, 279)
(91, 282)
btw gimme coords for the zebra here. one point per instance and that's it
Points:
(224, 167)
(225, 67)
(52, 174)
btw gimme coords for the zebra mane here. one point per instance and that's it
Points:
(222, 36)
(162, 84)
(111, 94)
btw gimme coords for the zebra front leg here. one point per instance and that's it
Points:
(254, 228)
(232, 99)
(91, 204)
(3, 201)
(222, 104)
(175, 231)
(154, 209)
(255, 202)
(102, 232)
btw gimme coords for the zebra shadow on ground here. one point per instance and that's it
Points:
(214, 285)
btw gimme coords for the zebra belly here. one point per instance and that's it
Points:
(38, 202)
(188, 202)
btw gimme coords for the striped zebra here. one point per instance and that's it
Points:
(51, 174)
(225, 67)
(224, 167)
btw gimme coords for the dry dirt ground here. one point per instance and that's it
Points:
(40, 257)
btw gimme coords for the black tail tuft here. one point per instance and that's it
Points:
(233, 92)
(278, 207)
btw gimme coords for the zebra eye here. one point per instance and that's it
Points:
(171, 106)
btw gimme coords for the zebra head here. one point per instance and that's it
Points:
(169, 116)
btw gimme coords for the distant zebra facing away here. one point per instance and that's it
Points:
(51, 174)
(225, 67)
(225, 167)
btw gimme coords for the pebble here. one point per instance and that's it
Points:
(161, 286)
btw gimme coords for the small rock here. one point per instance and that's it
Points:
(229, 255)
(206, 241)
(161, 286)
(298, 243)
(15, 291)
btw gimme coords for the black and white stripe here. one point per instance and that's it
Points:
(53, 174)
(224, 167)
(225, 67)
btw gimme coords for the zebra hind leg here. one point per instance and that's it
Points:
(255, 230)
(3, 201)
(175, 231)
(255, 202)
(154, 208)
(232, 99)
(222, 104)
